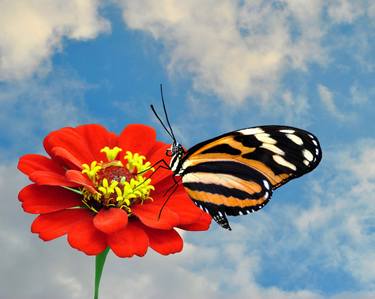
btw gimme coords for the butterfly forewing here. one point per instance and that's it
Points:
(235, 173)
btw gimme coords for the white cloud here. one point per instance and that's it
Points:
(32, 108)
(234, 50)
(359, 95)
(346, 11)
(31, 31)
(260, 52)
(327, 98)
(295, 107)
(342, 213)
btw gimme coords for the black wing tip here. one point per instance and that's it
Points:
(222, 221)
(226, 226)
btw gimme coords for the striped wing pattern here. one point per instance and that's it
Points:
(235, 173)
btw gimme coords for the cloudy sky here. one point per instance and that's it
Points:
(225, 65)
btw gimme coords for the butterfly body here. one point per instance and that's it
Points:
(236, 173)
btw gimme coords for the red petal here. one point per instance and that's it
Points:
(182, 205)
(33, 162)
(137, 139)
(79, 178)
(72, 141)
(66, 156)
(85, 237)
(45, 199)
(162, 174)
(97, 137)
(160, 194)
(129, 241)
(149, 216)
(51, 179)
(164, 241)
(56, 224)
(161, 186)
(157, 146)
(157, 153)
(111, 220)
(203, 223)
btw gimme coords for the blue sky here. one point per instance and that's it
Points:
(225, 65)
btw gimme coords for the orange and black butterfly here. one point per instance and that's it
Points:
(235, 173)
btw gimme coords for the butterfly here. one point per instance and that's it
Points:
(236, 173)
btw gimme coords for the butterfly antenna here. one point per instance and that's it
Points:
(165, 111)
(165, 128)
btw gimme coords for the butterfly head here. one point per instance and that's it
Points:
(176, 152)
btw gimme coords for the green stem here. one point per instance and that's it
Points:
(99, 264)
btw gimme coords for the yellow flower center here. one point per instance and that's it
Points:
(117, 185)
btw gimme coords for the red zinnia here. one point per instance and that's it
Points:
(96, 189)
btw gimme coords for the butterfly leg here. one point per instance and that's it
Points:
(162, 164)
(173, 188)
(165, 166)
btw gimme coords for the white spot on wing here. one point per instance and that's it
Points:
(280, 160)
(240, 213)
(220, 214)
(266, 195)
(264, 137)
(287, 131)
(306, 162)
(308, 155)
(295, 139)
(273, 148)
(251, 131)
(266, 184)
(315, 143)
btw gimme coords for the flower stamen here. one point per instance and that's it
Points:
(135, 162)
(111, 153)
(117, 185)
(91, 170)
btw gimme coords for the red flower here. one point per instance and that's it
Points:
(95, 189)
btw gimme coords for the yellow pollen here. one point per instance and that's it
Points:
(111, 153)
(91, 170)
(135, 161)
(117, 185)
(106, 188)
(121, 197)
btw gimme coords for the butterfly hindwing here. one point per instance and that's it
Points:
(226, 188)
(235, 173)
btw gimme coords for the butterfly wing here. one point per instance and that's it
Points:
(235, 173)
